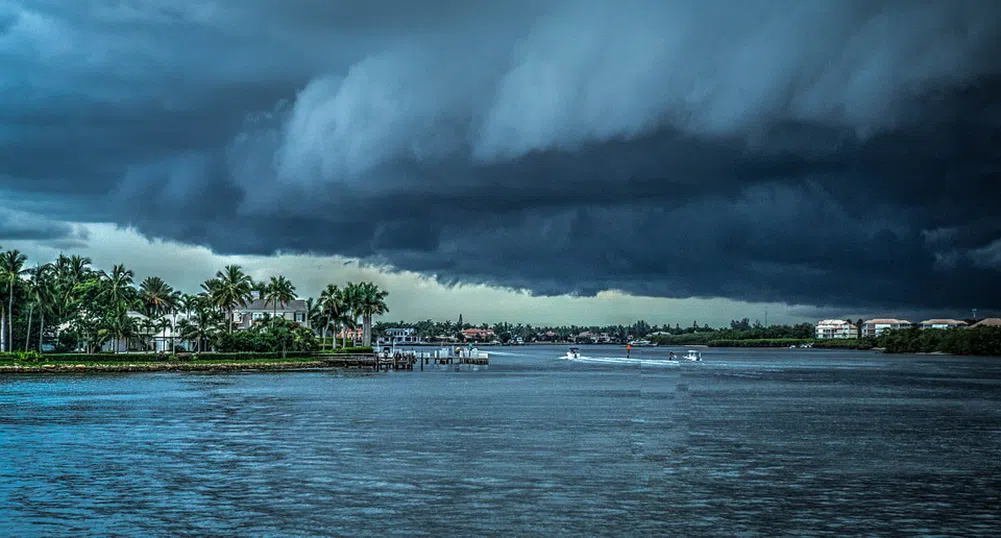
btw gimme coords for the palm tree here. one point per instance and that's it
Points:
(156, 296)
(11, 270)
(316, 318)
(175, 304)
(70, 274)
(230, 288)
(351, 297)
(279, 290)
(188, 303)
(117, 289)
(334, 310)
(38, 298)
(202, 325)
(148, 326)
(32, 300)
(158, 299)
(43, 287)
(371, 302)
(118, 295)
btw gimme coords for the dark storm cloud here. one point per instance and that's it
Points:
(821, 152)
(19, 226)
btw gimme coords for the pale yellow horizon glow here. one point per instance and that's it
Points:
(412, 296)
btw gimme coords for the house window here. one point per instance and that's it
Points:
(300, 317)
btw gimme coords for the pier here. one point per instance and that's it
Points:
(409, 359)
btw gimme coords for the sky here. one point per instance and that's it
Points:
(547, 161)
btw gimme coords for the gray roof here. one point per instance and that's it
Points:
(297, 305)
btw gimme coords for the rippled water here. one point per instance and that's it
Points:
(756, 442)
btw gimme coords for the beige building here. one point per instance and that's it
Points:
(836, 328)
(875, 327)
(987, 322)
(260, 310)
(943, 324)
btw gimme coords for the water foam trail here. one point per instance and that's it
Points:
(625, 361)
(505, 353)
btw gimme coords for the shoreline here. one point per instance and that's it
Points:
(163, 367)
(353, 361)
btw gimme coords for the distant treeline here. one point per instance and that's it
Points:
(742, 333)
(972, 341)
(796, 334)
(847, 343)
(505, 332)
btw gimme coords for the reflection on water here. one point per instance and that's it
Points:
(758, 442)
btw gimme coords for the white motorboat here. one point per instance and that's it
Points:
(641, 343)
(693, 355)
(573, 353)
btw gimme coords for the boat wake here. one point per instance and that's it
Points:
(623, 361)
(506, 353)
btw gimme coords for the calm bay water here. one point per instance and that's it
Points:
(748, 442)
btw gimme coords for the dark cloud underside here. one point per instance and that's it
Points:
(824, 152)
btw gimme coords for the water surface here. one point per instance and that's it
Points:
(748, 442)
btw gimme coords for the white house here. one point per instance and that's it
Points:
(400, 336)
(836, 328)
(875, 327)
(150, 338)
(259, 310)
(943, 324)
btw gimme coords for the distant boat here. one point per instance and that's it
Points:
(641, 343)
(573, 353)
(693, 355)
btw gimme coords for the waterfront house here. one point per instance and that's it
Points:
(836, 328)
(477, 335)
(260, 309)
(987, 322)
(548, 336)
(875, 327)
(588, 337)
(354, 335)
(943, 324)
(400, 336)
(149, 335)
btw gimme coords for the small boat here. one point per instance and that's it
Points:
(693, 355)
(641, 343)
(573, 353)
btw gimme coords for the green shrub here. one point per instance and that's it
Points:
(21, 357)
(972, 341)
(759, 342)
(104, 357)
(845, 343)
(33, 357)
(242, 356)
(273, 336)
(359, 349)
(828, 343)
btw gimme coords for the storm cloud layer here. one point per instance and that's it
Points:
(819, 152)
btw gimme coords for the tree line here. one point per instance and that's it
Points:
(71, 305)
(960, 341)
(506, 332)
(667, 334)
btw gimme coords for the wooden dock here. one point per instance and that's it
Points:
(382, 362)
